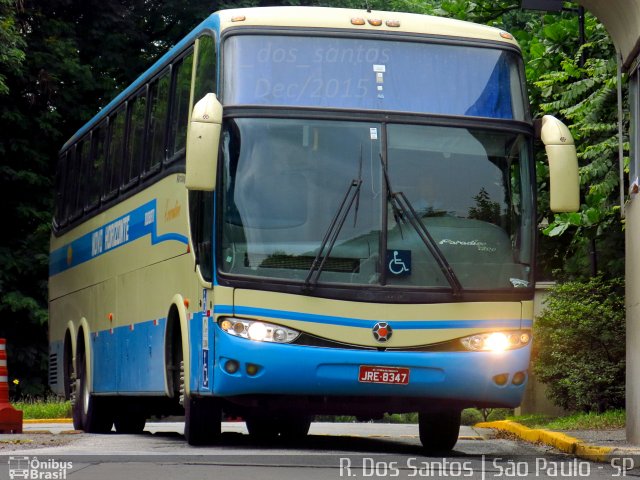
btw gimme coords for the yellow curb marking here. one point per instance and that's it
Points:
(561, 441)
(48, 420)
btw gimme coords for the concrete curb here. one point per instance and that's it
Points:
(558, 440)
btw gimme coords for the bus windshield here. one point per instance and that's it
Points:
(350, 73)
(284, 180)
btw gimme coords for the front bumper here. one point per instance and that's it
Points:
(292, 370)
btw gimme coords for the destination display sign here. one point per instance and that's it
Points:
(370, 74)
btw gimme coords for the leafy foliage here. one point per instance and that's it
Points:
(11, 54)
(580, 345)
(583, 90)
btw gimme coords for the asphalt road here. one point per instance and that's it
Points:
(331, 451)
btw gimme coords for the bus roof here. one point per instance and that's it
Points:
(341, 18)
(309, 17)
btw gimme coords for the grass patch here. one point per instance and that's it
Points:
(47, 408)
(577, 421)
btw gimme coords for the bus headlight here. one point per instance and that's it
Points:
(258, 331)
(496, 341)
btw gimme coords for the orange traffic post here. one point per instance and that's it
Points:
(10, 418)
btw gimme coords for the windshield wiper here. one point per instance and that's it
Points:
(355, 213)
(403, 211)
(331, 235)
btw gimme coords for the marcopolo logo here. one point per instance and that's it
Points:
(35, 469)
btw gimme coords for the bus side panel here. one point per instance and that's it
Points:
(105, 355)
(144, 299)
(124, 288)
(142, 358)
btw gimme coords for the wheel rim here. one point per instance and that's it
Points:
(85, 397)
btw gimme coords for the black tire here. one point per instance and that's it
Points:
(90, 413)
(439, 430)
(129, 422)
(289, 427)
(295, 428)
(202, 420)
(67, 372)
(262, 428)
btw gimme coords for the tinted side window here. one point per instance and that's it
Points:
(115, 152)
(61, 175)
(70, 188)
(158, 114)
(180, 106)
(96, 165)
(81, 179)
(135, 137)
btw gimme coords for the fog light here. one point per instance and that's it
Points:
(519, 378)
(501, 379)
(252, 369)
(231, 366)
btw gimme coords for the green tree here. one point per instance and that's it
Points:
(579, 349)
(584, 92)
(12, 51)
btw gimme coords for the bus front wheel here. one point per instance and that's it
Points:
(130, 422)
(439, 430)
(202, 420)
(289, 427)
(296, 427)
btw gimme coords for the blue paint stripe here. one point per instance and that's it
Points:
(136, 224)
(367, 323)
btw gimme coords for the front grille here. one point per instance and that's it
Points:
(300, 262)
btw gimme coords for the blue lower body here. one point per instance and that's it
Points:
(132, 362)
(291, 370)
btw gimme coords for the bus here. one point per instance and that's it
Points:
(303, 211)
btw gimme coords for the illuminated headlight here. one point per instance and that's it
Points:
(496, 341)
(258, 331)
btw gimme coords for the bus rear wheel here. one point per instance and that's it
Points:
(439, 430)
(90, 413)
(202, 420)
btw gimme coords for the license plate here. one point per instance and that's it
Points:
(385, 375)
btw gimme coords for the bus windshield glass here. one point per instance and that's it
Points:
(284, 181)
(349, 73)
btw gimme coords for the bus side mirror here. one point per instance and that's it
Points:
(563, 165)
(203, 140)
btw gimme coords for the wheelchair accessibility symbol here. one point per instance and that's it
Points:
(399, 262)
